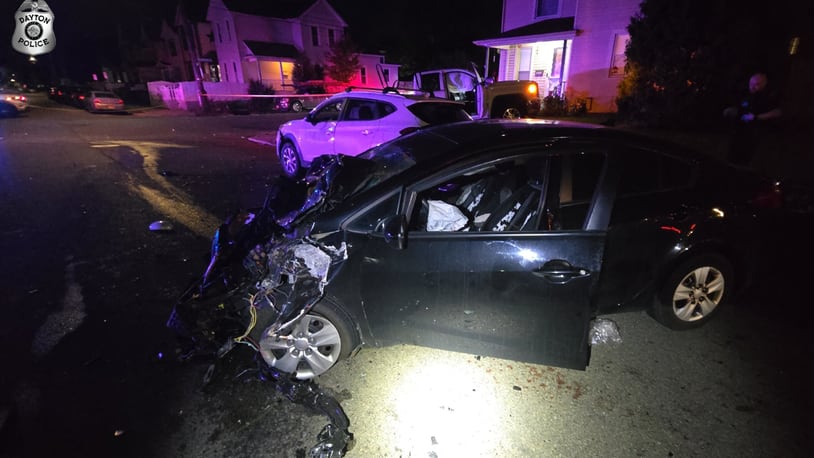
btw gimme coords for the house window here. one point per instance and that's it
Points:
(220, 36)
(234, 67)
(228, 32)
(618, 58)
(524, 69)
(331, 37)
(314, 36)
(386, 75)
(547, 8)
(171, 46)
(363, 70)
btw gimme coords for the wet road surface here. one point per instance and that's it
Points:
(89, 370)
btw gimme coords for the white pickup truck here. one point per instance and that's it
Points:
(483, 98)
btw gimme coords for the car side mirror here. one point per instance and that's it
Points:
(395, 231)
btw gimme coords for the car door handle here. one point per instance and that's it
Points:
(559, 271)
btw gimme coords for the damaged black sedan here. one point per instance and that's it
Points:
(505, 238)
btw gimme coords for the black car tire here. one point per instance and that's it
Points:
(681, 301)
(290, 160)
(296, 106)
(325, 316)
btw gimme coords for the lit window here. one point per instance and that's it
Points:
(618, 59)
(547, 8)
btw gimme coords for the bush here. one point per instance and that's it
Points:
(261, 104)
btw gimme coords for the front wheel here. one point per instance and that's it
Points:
(694, 292)
(296, 106)
(313, 345)
(290, 159)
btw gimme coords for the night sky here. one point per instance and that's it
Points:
(420, 33)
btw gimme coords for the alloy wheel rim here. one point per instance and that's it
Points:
(698, 294)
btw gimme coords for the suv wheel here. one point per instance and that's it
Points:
(290, 159)
(694, 292)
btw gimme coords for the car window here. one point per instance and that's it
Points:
(576, 176)
(366, 110)
(646, 172)
(367, 220)
(105, 94)
(328, 111)
(431, 82)
(504, 196)
(439, 113)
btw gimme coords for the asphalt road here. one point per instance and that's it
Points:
(88, 368)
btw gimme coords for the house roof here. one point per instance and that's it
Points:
(550, 29)
(266, 49)
(281, 9)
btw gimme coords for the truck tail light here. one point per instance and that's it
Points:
(532, 89)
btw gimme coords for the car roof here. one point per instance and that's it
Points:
(464, 139)
(495, 131)
(387, 95)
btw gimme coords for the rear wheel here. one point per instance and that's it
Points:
(694, 292)
(290, 159)
(511, 113)
(313, 345)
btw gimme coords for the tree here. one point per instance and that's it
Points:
(342, 60)
(687, 59)
(305, 70)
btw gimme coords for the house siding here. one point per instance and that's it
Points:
(518, 13)
(589, 75)
(584, 72)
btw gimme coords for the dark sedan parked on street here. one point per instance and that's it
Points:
(503, 238)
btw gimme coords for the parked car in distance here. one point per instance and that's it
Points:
(503, 238)
(16, 98)
(309, 95)
(353, 121)
(8, 110)
(103, 101)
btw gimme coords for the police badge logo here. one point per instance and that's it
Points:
(34, 28)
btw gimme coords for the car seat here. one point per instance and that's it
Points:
(516, 213)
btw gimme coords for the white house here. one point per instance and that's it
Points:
(262, 40)
(574, 48)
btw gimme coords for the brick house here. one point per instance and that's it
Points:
(574, 48)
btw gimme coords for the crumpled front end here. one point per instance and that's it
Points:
(292, 274)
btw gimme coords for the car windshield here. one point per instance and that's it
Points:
(108, 95)
(394, 157)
